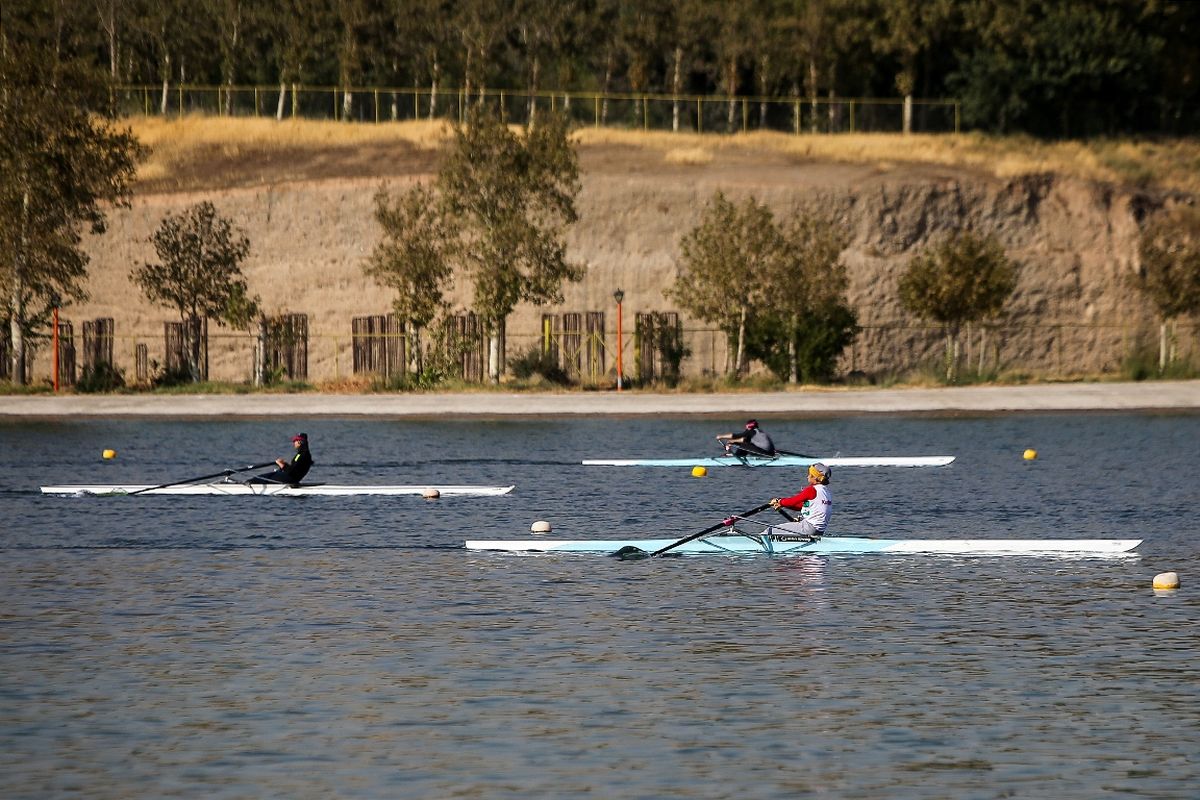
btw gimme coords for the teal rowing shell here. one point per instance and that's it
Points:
(780, 461)
(848, 545)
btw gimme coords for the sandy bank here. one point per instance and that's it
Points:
(1166, 395)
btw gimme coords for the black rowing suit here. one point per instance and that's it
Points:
(757, 443)
(293, 472)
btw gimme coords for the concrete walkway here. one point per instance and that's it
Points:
(1182, 395)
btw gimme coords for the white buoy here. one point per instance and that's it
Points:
(1166, 580)
(431, 494)
(1031, 454)
(109, 455)
(541, 526)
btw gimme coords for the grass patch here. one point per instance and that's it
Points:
(187, 152)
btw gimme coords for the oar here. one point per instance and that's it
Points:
(199, 478)
(790, 453)
(725, 523)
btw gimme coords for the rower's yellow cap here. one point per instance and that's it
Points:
(819, 471)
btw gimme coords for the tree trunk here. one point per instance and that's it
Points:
(435, 74)
(282, 100)
(191, 344)
(347, 105)
(166, 80)
(731, 89)
(16, 307)
(17, 336)
(908, 107)
(764, 64)
(676, 84)
(494, 366)
(1162, 347)
(741, 345)
(812, 93)
(260, 353)
(533, 87)
(951, 354)
(793, 356)
(608, 70)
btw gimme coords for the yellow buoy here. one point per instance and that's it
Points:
(431, 494)
(541, 526)
(109, 455)
(1030, 454)
(1166, 580)
(699, 471)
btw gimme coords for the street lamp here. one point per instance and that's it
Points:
(619, 296)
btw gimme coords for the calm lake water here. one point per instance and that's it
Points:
(349, 647)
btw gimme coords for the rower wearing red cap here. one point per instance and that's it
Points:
(290, 471)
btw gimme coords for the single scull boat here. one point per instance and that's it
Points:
(284, 490)
(781, 542)
(777, 461)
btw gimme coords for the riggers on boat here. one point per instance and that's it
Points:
(785, 540)
(276, 489)
(776, 461)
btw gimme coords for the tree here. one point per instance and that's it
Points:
(964, 278)
(199, 274)
(412, 258)
(721, 267)
(807, 295)
(510, 199)
(1170, 270)
(62, 164)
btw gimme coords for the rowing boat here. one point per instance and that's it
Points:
(777, 461)
(281, 489)
(785, 544)
(828, 545)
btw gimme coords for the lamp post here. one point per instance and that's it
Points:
(619, 296)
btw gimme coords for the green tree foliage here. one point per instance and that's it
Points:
(1170, 270)
(722, 265)
(1047, 67)
(412, 258)
(964, 278)
(807, 300)
(63, 163)
(510, 198)
(199, 274)
(1074, 68)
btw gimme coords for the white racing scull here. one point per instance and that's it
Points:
(277, 489)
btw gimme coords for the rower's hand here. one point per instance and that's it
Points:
(775, 504)
(279, 461)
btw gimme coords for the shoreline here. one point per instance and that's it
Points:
(1122, 396)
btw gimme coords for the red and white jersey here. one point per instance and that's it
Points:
(815, 504)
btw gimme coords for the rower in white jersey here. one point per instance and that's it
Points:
(814, 502)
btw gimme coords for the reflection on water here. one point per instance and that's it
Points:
(347, 647)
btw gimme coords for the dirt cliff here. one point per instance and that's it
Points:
(1075, 241)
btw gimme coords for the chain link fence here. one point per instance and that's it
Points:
(657, 112)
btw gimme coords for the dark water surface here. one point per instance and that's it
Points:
(349, 647)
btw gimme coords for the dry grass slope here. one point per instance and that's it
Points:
(209, 152)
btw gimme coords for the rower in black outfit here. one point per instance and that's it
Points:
(293, 471)
(753, 441)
